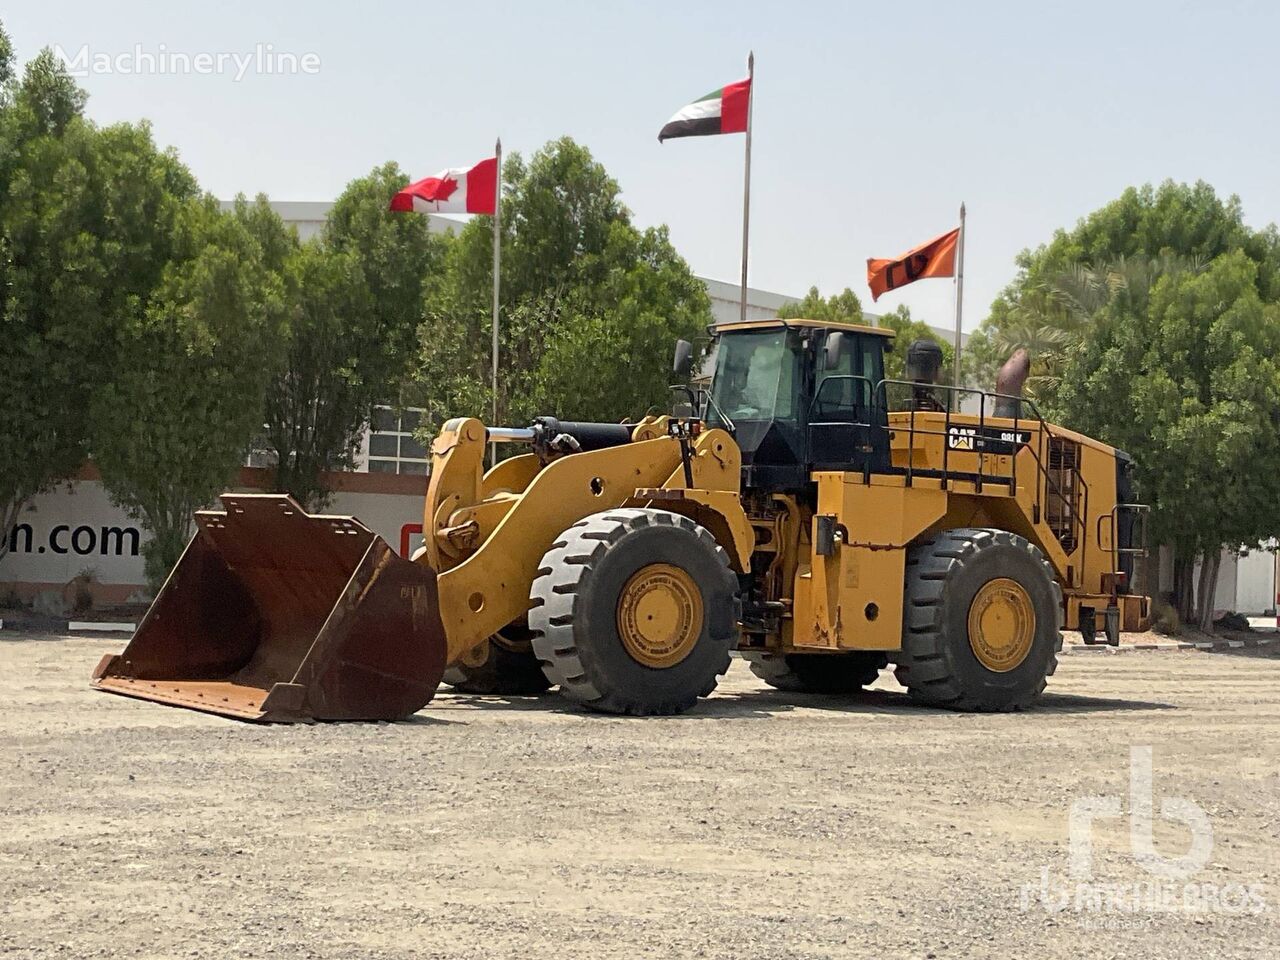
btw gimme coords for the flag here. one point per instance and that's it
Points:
(457, 190)
(937, 258)
(720, 111)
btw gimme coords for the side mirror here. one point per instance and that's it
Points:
(683, 362)
(833, 349)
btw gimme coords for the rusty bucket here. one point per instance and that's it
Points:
(273, 614)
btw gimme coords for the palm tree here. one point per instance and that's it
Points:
(1053, 315)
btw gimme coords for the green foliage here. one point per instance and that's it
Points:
(141, 324)
(1186, 379)
(1188, 220)
(1053, 316)
(591, 305)
(52, 282)
(318, 403)
(155, 332)
(186, 393)
(1153, 325)
(6, 58)
(354, 301)
(82, 242)
(1047, 308)
(395, 252)
(48, 99)
(843, 307)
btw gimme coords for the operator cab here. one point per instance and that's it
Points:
(801, 395)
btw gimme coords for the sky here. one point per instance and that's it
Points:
(872, 121)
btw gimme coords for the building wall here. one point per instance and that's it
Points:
(726, 299)
(75, 529)
(1247, 583)
(1256, 584)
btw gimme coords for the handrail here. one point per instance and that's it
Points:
(1018, 401)
(871, 390)
(1046, 483)
(1141, 510)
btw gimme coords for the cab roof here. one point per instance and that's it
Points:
(824, 324)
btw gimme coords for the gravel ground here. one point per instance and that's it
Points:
(760, 825)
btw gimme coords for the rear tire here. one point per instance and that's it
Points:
(510, 669)
(1001, 585)
(634, 611)
(818, 672)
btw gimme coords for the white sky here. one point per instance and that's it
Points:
(872, 120)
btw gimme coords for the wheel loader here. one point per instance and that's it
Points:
(803, 511)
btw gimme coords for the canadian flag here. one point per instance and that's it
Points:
(457, 190)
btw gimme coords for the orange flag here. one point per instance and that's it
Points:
(937, 258)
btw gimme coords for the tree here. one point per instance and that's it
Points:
(6, 61)
(81, 241)
(354, 301)
(1183, 374)
(47, 327)
(591, 304)
(843, 307)
(318, 405)
(1141, 226)
(173, 422)
(1053, 316)
(1120, 315)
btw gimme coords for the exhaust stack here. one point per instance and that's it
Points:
(1009, 381)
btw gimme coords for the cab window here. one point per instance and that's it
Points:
(854, 380)
(756, 376)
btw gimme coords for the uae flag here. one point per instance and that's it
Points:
(720, 111)
(457, 190)
(937, 258)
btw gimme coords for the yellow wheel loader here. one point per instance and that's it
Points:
(809, 514)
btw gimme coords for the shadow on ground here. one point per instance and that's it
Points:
(766, 703)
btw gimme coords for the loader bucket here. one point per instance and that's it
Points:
(276, 615)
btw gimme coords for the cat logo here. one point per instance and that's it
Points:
(961, 438)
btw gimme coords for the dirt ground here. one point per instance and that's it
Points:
(760, 825)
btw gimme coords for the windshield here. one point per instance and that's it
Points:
(755, 377)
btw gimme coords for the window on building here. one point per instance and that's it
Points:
(392, 448)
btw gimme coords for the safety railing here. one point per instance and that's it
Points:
(1008, 442)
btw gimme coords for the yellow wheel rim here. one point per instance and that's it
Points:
(659, 615)
(1002, 625)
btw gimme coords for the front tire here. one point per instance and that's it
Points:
(982, 620)
(634, 611)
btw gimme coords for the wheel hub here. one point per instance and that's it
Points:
(660, 615)
(1002, 625)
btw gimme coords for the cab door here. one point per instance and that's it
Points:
(847, 423)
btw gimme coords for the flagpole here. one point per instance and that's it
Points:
(959, 291)
(746, 182)
(497, 274)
